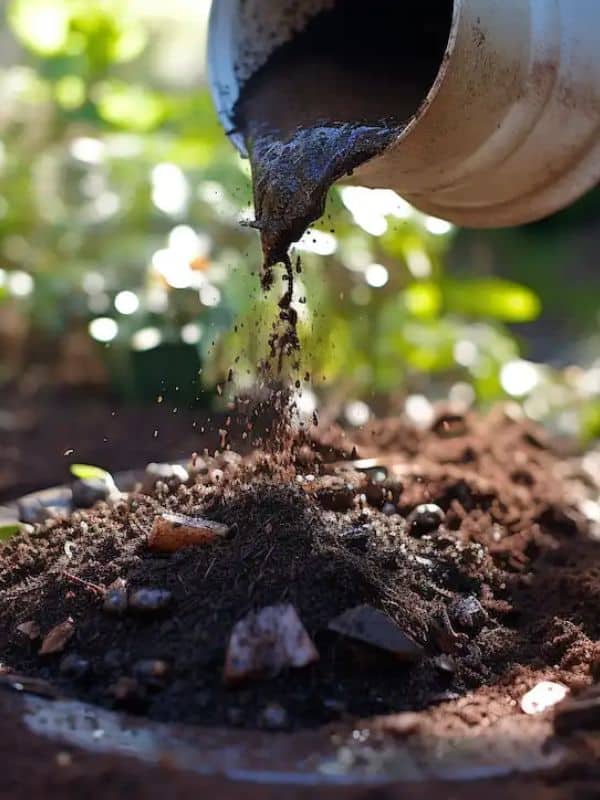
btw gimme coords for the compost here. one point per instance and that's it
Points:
(419, 566)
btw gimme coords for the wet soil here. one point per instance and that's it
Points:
(500, 583)
(336, 95)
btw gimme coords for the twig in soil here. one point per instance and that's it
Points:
(92, 587)
(210, 566)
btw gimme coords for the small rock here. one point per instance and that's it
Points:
(115, 599)
(425, 519)
(389, 509)
(274, 717)
(74, 667)
(149, 601)
(56, 640)
(542, 697)
(173, 532)
(30, 629)
(266, 642)
(467, 614)
(89, 491)
(444, 664)
(152, 672)
(171, 474)
(43, 506)
(370, 626)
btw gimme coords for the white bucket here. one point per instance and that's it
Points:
(510, 130)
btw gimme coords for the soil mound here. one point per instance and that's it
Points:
(465, 539)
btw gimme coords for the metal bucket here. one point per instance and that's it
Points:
(508, 133)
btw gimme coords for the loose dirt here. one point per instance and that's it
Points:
(497, 584)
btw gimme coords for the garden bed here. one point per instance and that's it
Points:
(481, 594)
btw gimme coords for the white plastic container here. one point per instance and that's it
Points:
(508, 133)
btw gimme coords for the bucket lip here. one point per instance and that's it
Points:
(220, 48)
(434, 90)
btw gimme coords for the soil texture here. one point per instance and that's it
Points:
(465, 536)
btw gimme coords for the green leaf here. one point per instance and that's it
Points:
(424, 299)
(491, 297)
(86, 472)
(8, 531)
(41, 25)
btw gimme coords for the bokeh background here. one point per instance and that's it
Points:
(128, 286)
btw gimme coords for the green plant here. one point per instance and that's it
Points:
(120, 205)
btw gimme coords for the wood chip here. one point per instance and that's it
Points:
(173, 532)
(370, 626)
(56, 639)
(266, 642)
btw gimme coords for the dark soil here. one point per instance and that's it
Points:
(508, 584)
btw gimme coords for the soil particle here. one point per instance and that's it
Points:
(537, 582)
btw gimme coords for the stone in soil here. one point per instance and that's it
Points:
(516, 550)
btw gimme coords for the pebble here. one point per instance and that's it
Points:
(389, 509)
(30, 629)
(444, 664)
(274, 717)
(542, 697)
(467, 614)
(88, 492)
(425, 519)
(172, 475)
(265, 642)
(375, 628)
(115, 599)
(74, 667)
(150, 600)
(39, 508)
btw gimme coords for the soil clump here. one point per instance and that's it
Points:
(471, 546)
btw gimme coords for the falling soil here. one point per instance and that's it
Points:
(496, 579)
(335, 96)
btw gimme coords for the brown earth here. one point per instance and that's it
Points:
(504, 589)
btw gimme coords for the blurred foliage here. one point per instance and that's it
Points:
(120, 207)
